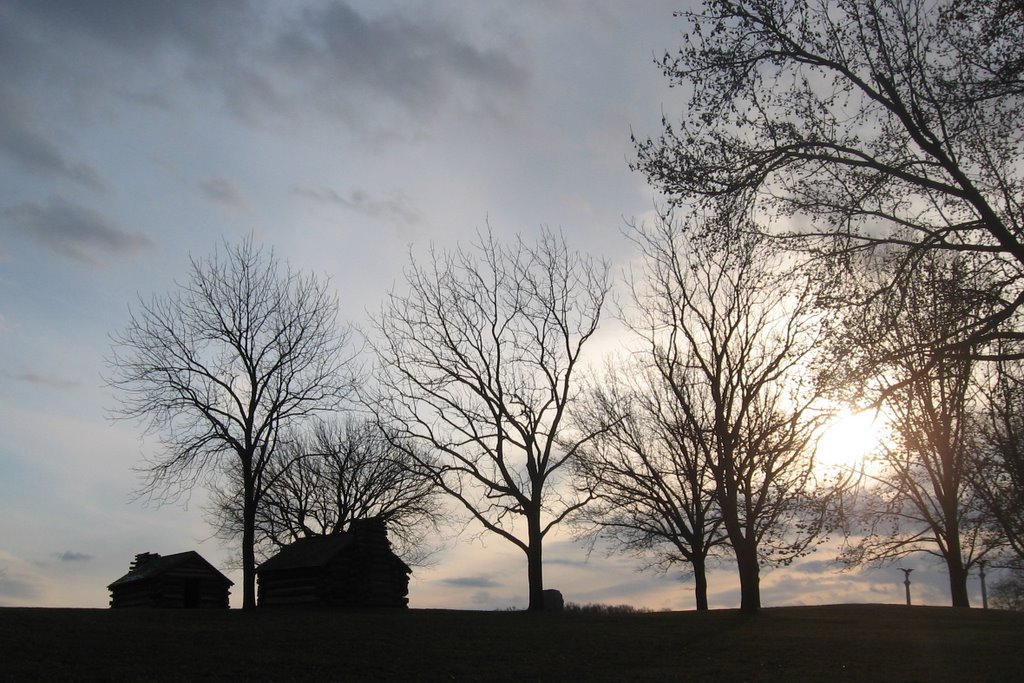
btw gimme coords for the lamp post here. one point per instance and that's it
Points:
(906, 582)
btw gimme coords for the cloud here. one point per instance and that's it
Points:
(137, 28)
(72, 556)
(329, 55)
(471, 582)
(816, 566)
(397, 208)
(71, 230)
(16, 588)
(632, 588)
(221, 191)
(32, 377)
(25, 145)
(412, 60)
(490, 601)
(566, 562)
(94, 50)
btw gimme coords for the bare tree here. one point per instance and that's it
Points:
(330, 475)
(218, 369)
(918, 494)
(733, 334)
(477, 363)
(1008, 593)
(997, 472)
(654, 492)
(846, 126)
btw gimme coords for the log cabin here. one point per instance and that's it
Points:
(355, 568)
(181, 580)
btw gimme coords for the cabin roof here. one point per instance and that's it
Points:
(160, 564)
(313, 551)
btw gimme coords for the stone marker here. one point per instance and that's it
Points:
(553, 601)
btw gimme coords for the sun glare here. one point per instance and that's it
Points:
(848, 439)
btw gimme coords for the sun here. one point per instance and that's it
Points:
(849, 438)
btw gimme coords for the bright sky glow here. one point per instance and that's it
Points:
(849, 438)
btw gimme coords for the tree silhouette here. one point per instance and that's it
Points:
(477, 364)
(332, 474)
(654, 492)
(733, 334)
(918, 494)
(997, 472)
(220, 368)
(850, 127)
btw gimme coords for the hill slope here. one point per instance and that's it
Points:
(833, 643)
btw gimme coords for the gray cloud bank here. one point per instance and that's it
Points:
(49, 381)
(71, 230)
(257, 58)
(471, 582)
(72, 556)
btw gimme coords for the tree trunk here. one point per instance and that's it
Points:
(745, 550)
(957, 581)
(750, 579)
(534, 564)
(954, 556)
(248, 546)
(700, 579)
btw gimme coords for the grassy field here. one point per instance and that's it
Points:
(830, 643)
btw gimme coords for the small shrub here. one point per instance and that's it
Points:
(597, 608)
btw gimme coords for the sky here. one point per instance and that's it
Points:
(135, 134)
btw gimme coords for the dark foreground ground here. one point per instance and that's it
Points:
(831, 643)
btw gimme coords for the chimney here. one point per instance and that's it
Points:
(369, 532)
(142, 558)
